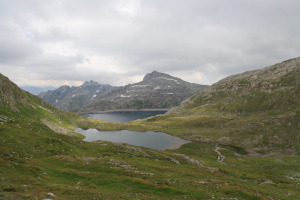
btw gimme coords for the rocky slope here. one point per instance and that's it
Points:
(73, 98)
(156, 91)
(258, 108)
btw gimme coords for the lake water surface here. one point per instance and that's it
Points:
(124, 116)
(150, 139)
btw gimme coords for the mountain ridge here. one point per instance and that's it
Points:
(155, 74)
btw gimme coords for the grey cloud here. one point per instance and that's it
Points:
(17, 50)
(15, 47)
(53, 34)
(213, 37)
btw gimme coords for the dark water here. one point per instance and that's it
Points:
(150, 139)
(124, 116)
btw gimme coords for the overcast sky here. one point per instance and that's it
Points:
(52, 43)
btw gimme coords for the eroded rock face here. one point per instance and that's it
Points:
(156, 91)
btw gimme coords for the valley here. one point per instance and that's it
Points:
(244, 128)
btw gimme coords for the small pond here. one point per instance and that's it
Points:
(124, 116)
(150, 139)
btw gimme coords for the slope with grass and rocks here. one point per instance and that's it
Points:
(19, 107)
(258, 109)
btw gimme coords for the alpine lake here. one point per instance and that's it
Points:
(149, 139)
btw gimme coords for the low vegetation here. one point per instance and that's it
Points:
(235, 153)
(37, 163)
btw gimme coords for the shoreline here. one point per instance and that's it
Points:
(124, 110)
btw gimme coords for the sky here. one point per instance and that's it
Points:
(66, 42)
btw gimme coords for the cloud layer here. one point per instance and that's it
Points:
(119, 41)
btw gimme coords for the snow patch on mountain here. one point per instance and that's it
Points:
(125, 96)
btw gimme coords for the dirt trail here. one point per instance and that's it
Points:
(220, 156)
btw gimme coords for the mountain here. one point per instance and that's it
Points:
(255, 109)
(156, 91)
(42, 157)
(36, 90)
(73, 98)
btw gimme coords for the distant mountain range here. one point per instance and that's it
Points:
(73, 98)
(156, 91)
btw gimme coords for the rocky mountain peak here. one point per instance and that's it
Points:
(89, 83)
(154, 74)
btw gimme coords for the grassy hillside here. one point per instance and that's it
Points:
(41, 157)
(258, 110)
(18, 107)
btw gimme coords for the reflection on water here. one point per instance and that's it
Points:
(150, 139)
(124, 116)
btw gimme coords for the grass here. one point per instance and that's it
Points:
(41, 155)
(37, 162)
